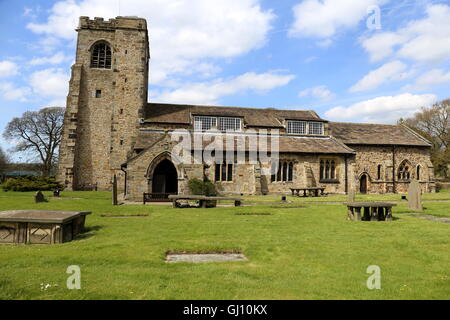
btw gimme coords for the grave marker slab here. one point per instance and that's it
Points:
(415, 196)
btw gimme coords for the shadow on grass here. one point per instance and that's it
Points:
(88, 232)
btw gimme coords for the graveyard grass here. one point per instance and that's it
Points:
(295, 253)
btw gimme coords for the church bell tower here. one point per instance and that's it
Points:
(107, 95)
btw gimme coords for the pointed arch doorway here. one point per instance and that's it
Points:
(363, 184)
(165, 178)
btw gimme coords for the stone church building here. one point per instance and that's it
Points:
(111, 128)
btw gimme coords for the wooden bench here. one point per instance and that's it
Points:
(370, 211)
(203, 199)
(315, 191)
(156, 197)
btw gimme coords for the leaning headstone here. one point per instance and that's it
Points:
(351, 196)
(114, 191)
(39, 197)
(415, 196)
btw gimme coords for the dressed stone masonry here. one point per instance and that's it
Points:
(110, 128)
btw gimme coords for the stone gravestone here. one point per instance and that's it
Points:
(351, 196)
(415, 196)
(114, 191)
(39, 197)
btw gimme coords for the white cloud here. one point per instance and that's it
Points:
(392, 71)
(325, 18)
(8, 69)
(9, 92)
(385, 109)
(320, 92)
(425, 40)
(50, 83)
(57, 58)
(183, 32)
(310, 59)
(209, 93)
(428, 79)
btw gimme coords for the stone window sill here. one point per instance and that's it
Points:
(282, 182)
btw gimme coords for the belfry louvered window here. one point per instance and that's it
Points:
(101, 56)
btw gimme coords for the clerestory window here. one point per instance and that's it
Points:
(204, 123)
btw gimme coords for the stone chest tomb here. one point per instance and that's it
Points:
(40, 227)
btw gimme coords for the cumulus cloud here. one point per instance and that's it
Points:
(184, 32)
(392, 71)
(210, 92)
(385, 109)
(50, 83)
(428, 79)
(9, 91)
(324, 18)
(57, 58)
(8, 69)
(320, 92)
(423, 40)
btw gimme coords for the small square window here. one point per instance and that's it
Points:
(98, 93)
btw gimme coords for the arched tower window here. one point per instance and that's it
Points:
(403, 171)
(418, 173)
(101, 56)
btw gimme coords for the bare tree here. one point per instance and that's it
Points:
(434, 124)
(39, 134)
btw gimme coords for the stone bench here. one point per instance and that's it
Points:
(203, 199)
(370, 211)
(40, 226)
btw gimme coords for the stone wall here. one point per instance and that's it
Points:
(247, 178)
(368, 159)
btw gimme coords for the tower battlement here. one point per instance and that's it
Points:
(134, 23)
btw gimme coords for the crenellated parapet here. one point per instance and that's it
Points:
(132, 23)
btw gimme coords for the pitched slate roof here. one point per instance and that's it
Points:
(376, 134)
(287, 144)
(253, 117)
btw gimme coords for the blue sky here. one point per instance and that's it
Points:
(327, 55)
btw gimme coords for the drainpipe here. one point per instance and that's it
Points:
(394, 189)
(125, 186)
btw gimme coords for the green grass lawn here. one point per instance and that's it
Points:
(294, 253)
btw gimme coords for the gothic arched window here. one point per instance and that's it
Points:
(403, 171)
(101, 56)
(285, 172)
(322, 170)
(418, 173)
(327, 170)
